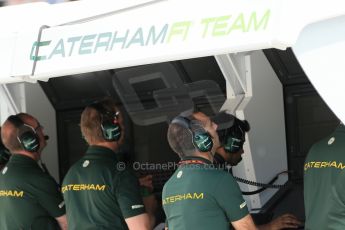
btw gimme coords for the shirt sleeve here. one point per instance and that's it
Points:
(229, 197)
(128, 195)
(49, 196)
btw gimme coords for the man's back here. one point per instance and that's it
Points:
(28, 196)
(200, 197)
(98, 195)
(324, 163)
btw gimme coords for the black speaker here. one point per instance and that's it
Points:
(110, 127)
(26, 134)
(201, 139)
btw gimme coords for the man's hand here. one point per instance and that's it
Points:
(282, 222)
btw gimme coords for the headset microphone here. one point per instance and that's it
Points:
(46, 137)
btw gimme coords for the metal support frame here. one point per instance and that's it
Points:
(236, 70)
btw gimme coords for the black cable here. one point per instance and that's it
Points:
(263, 186)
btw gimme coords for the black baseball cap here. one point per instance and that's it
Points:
(226, 120)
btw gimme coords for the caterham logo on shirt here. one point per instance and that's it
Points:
(181, 197)
(324, 164)
(11, 193)
(83, 187)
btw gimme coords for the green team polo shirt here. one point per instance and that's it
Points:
(99, 194)
(324, 162)
(29, 197)
(336, 217)
(200, 196)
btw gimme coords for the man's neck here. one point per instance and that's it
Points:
(219, 159)
(34, 156)
(207, 156)
(222, 153)
(108, 144)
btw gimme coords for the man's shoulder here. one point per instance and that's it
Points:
(86, 163)
(22, 173)
(318, 147)
(74, 167)
(72, 171)
(210, 175)
(212, 171)
(87, 166)
(33, 181)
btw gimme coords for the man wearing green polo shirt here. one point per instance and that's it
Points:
(232, 132)
(99, 192)
(324, 182)
(29, 196)
(198, 195)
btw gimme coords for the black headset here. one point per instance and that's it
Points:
(233, 137)
(26, 134)
(201, 139)
(110, 127)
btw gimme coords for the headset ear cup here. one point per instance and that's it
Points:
(233, 144)
(234, 140)
(29, 141)
(110, 127)
(111, 132)
(203, 141)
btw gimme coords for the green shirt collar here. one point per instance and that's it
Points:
(204, 160)
(22, 159)
(99, 152)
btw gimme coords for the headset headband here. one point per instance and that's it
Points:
(16, 121)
